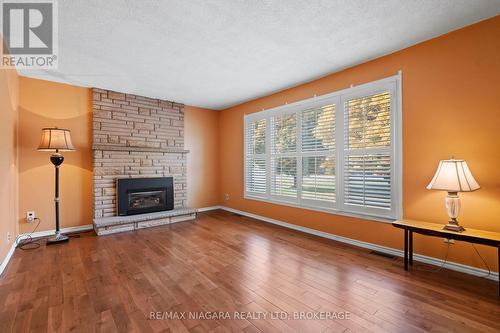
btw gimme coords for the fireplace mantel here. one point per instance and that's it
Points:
(143, 149)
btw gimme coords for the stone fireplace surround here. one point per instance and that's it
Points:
(135, 136)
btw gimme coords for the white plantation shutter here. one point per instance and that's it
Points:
(318, 178)
(284, 176)
(255, 137)
(256, 175)
(284, 134)
(368, 121)
(283, 156)
(339, 152)
(255, 159)
(367, 141)
(368, 180)
(318, 155)
(318, 129)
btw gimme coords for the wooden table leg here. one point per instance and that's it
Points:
(410, 247)
(406, 250)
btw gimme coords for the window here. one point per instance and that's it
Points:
(339, 152)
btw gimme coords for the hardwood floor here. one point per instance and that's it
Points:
(227, 263)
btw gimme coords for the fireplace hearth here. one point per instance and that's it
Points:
(144, 195)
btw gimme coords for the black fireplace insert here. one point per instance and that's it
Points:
(145, 195)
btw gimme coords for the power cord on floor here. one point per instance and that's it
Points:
(29, 243)
(420, 268)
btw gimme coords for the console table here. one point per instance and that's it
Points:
(434, 229)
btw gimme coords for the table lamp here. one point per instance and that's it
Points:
(453, 176)
(56, 139)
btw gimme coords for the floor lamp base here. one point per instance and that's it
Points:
(58, 238)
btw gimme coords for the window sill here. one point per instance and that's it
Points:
(321, 209)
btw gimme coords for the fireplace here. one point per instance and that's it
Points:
(145, 195)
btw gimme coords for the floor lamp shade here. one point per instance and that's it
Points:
(55, 139)
(453, 176)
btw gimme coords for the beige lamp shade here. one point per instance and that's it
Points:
(453, 176)
(54, 138)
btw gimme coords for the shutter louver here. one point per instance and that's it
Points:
(318, 143)
(368, 181)
(284, 133)
(283, 159)
(284, 176)
(367, 168)
(318, 129)
(318, 178)
(256, 137)
(255, 161)
(256, 175)
(369, 122)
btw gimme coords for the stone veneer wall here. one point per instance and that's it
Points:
(135, 136)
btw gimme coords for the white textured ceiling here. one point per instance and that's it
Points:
(217, 53)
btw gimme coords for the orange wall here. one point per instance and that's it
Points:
(43, 104)
(8, 158)
(47, 104)
(451, 106)
(201, 139)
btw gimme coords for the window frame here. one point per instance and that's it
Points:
(338, 98)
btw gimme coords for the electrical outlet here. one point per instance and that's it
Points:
(226, 197)
(449, 240)
(30, 216)
(9, 237)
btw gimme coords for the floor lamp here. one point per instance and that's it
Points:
(56, 139)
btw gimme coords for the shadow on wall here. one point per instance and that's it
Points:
(30, 132)
(36, 173)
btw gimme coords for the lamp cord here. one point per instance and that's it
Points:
(484, 262)
(445, 260)
(24, 244)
